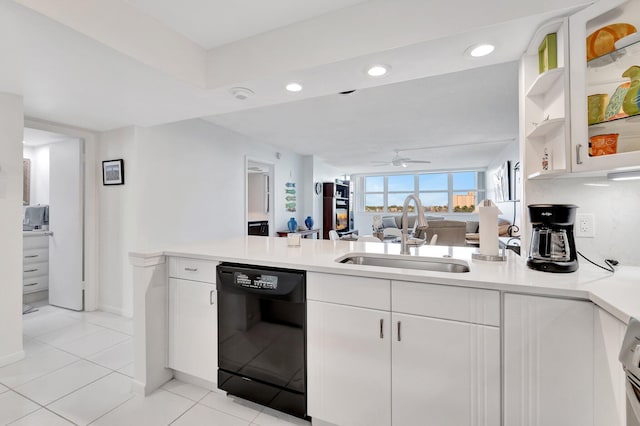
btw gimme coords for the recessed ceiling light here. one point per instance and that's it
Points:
(294, 87)
(481, 50)
(378, 70)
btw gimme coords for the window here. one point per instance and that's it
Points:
(453, 192)
(374, 193)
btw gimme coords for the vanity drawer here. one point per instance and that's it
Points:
(466, 304)
(39, 241)
(193, 269)
(35, 255)
(33, 284)
(35, 269)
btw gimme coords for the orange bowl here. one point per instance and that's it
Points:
(603, 144)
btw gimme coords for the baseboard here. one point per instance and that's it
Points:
(35, 297)
(114, 310)
(10, 359)
(196, 381)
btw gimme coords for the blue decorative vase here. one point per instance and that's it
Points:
(309, 222)
(292, 224)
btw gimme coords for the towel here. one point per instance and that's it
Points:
(36, 215)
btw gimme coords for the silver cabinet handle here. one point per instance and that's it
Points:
(382, 328)
(191, 269)
(31, 270)
(31, 256)
(578, 149)
(399, 338)
(211, 296)
(29, 285)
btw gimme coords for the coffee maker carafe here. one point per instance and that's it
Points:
(553, 248)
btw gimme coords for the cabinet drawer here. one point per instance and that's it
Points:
(447, 302)
(35, 255)
(35, 269)
(193, 269)
(41, 241)
(33, 284)
(365, 292)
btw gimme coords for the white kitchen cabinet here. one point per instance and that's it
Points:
(609, 380)
(548, 361)
(348, 364)
(193, 328)
(544, 108)
(431, 359)
(602, 76)
(445, 373)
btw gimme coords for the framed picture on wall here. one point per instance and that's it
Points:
(113, 172)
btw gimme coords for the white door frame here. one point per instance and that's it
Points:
(91, 173)
(271, 174)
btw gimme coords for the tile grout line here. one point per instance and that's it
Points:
(57, 399)
(185, 411)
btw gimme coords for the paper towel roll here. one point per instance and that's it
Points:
(488, 214)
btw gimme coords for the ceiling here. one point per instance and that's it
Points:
(474, 109)
(89, 64)
(35, 137)
(219, 22)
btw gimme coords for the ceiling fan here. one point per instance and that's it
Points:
(399, 161)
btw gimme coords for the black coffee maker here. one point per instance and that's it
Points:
(553, 248)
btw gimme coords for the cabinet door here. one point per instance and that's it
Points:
(445, 373)
(599, 77)
(548, 361)
(193, 328)
(348, 364)
(609, 379)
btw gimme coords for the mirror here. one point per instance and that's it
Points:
(26, 181)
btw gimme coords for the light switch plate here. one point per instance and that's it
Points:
(585, 225)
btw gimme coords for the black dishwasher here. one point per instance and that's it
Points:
(261, 335)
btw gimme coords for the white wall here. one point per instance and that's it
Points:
(184, 182)
(256, 196)
(39, 156)
(11, 130)
(117, 225)
(615, 207)
(509, 153)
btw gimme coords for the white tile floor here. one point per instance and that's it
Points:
(78, 371)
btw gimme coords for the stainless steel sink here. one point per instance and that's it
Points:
(407, 262)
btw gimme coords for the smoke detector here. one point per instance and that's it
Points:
(241, 93)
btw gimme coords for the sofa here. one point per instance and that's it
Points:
(450, 232)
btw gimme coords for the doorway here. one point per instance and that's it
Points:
(259, 202)
(54, 246)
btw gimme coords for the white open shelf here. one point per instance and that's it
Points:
(547, 174)
(546, 127)
(544, 81)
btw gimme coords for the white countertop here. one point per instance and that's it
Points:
(37, 233)
(618, 293)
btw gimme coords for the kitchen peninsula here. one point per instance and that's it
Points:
(486, 347)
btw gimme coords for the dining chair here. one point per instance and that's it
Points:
(333, 235)
(433, 240)
(392, 231)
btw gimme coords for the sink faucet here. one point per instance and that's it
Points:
(420, 224)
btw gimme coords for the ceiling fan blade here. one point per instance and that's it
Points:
(418, 161)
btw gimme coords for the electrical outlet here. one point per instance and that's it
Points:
(585, 225)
